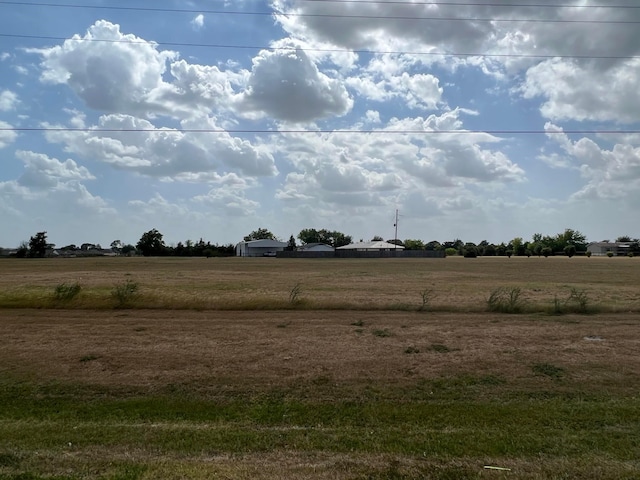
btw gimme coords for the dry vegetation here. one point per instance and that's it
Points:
(206, 378)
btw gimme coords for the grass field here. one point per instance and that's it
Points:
(323, 369)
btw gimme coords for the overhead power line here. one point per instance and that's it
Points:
(324, 50)
(326, 15)
(473, 4)
(320, 131)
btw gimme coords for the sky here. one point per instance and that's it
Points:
(211, 119)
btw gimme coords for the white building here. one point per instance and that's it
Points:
(260, 248)
(315, 247)
(380, 246)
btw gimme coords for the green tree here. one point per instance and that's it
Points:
(570, 237)
(546, 251)
(151, 243)
(470, 250)
(38, 245)
(116, 246)
(570, 250)
(23, 250)
(624, 238)
(128, 250)
(410, 244)
(333, 238)
(292, 243)
(377, 238)
(260, 234)
(433, 245)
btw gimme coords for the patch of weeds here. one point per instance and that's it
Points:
(579, 299)
(411, 349)
(284, 325)
(8, 460)
(492, 380)
(439, 348)
(294, 294)
(125, 293)
(557, 308)
(548, 370)
(427, 296)
(506, 300)
(359, 323)
(359, 330)
(382, 332)
(65, 292)
(577, 302)
(88, 358)
(139, 329)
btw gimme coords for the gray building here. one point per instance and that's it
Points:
(260, 248)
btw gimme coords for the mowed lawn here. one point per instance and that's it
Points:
(325, 369)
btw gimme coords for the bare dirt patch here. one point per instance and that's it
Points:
(261, 349)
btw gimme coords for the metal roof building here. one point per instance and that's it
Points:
(260, 248)
(372, 246)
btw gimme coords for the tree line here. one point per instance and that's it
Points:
(569, 242)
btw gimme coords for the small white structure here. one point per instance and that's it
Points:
(315, 247)
(260, 248)
(602, 248)
(379, 246)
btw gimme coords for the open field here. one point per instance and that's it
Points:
(215, 373)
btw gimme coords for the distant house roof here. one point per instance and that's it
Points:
(267, 243)
(379, 245)
(311, 246)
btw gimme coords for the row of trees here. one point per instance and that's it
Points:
(151, 243)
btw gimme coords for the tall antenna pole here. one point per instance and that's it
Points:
(395, 239)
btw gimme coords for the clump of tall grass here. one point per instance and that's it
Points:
(506, 300)
(65, 292)
(125, 293)
(577, 302)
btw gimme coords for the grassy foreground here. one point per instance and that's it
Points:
(371, 393)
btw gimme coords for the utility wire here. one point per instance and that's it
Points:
(325, 50)
(320, 131)
(326, 15)
(473, 4)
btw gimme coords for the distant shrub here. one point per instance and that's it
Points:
(65, 292)
(630, 254)
(609, 254)
(427, 296)
(546, 251)
(124, 293)
(588, 254)
(294, 294)
(469, 250)
(505, 300)
(449, 252)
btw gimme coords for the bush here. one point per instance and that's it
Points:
(588, 254)
(124, 293)
(65, 292)
(609, 254)
(505, 300)
(449, 252)
(630, 254)
(470, 252)
(546, 251)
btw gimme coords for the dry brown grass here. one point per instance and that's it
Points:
(263, 350)
(183, 348)
(457, 283)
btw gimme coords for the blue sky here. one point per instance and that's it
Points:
(209, 119)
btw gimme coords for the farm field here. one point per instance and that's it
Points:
(324, 369)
